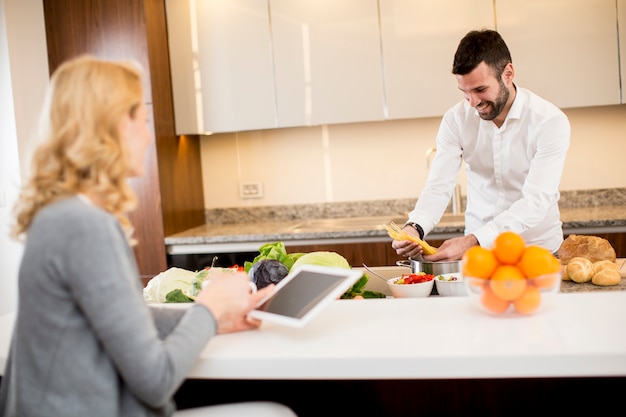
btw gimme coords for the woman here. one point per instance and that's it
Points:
(85, 343)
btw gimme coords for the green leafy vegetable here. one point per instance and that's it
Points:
(177, 296)
(359, 289)
(274, 251)
(322, 258)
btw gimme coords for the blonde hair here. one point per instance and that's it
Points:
(82, 149)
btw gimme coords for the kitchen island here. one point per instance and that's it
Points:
(389, 353)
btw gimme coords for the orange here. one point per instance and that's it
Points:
(537, 261)
(529, 301)
(478, 262)
(508, 247)
(508, 282)
(550, 279)
(492, 302)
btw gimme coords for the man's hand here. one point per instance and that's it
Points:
(407, 248)
(453, 249)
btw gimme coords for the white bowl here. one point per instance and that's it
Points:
(421, 289)
(450, 288)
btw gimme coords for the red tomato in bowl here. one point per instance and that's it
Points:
(415, 278)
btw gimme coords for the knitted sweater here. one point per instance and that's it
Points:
(85, 343)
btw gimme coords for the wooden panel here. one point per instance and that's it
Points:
(112, 29)
(617, 240)
(147, 218)
(180, 170)
(372, 254)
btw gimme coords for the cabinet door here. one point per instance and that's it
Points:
(563, 50)
(419, 39)
(327, 60)
(221, 63)
(621, 22)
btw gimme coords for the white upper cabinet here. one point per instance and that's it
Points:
(564, 50)
(621, 19)
(242, 65)
(221, 64)
(419, 39)
(327, 61)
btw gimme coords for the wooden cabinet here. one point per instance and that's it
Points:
(558, 46)
(419, 39)
(170, 195)
(617, 240)
(357, 254)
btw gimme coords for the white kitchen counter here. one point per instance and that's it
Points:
(578, 335)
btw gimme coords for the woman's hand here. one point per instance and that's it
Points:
(230, 298)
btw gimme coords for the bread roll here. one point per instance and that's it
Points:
(564, 274)
(580, 269)
(605, 264)
(593, 248)
(606, 277)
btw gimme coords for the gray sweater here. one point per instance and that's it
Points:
(85, 343)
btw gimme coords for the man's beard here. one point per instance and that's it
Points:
(498, 105)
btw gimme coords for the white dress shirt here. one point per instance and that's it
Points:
(513, 172)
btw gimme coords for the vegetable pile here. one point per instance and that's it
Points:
(178, 285)
(266, 268)
(270, 266)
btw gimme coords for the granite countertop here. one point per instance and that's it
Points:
(592, 211)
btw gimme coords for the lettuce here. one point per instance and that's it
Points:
(322, 258)
(274, 251)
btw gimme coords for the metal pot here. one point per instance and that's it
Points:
(435, 268)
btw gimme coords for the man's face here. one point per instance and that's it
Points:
(484, 92)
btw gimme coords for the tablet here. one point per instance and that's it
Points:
(303, 293)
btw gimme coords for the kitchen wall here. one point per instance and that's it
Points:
(23, 78)
(380, 161)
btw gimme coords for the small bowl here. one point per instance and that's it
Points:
(421, 289)
(538, 295)
(450, 288)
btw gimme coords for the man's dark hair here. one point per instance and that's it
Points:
(481, 45)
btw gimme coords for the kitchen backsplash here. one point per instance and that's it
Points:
(392, 208)
(330, 168)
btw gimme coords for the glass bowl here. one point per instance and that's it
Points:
(511, 297)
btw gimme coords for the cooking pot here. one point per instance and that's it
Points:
(435, 268)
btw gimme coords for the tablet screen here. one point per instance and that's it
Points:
(302, 293)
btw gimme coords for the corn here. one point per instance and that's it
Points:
(396, 232)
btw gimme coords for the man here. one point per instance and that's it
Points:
(513, 144)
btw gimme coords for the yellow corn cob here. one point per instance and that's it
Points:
(396, 232)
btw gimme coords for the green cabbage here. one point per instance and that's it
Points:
(322, 258)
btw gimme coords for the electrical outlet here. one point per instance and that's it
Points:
(251, 189)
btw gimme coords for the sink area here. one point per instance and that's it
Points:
(365, 223)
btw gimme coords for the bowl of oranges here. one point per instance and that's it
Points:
(511, 278)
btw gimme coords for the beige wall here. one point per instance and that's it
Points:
(23, 79)
(383, 160)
